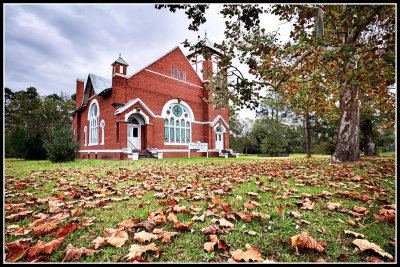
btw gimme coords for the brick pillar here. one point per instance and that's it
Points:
(79, 92)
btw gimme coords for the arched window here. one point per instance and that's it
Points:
(177, 124)
(94, 124)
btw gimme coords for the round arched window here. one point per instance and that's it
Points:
(177, 126)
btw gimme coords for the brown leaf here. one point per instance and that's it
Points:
(44, 247)
(43, 226)
(364, 244)
(128, 224)
(249, 205)
(332, 206)
(245, 216)
(209, 246)
(118, 239)
(226, 223)
(144, 236)
(353, 234)
(71, 252)
(250, 232)
(374, 259)
(251, 255)
(136, 251)
(17, 249)
(98, 242)
(197, 218)
(166, 236)
(66, 229)
(296, 214)
(305, 241)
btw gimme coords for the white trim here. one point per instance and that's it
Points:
(154, 61)
(175, 101)
(134, 111)
(161, 58)
(85, 130)
(200, 122)
(102, 125)
(133, 102)
(119, 74)
(166, 76)
(176, 144)
(216, 120)
(172, 150)
(98, 107)
(223, 128)
(102, 150)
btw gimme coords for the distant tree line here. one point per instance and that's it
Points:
(278, 131)
(38, 127)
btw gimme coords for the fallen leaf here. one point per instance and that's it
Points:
(347, 232)
(226, 223)
(209, 246)
(44, 247)
(98, 242)
(296, 214)
(118, 239)
(71, 252)
(17, 249)
(332, 206)
(251, 255)
(374, 259)
(364, 244)
(136, 251)
(305, 241)
(144, 236)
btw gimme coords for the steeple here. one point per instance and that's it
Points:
(119, 66)
(205, 64)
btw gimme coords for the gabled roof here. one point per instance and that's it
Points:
(100, 83)
(173, 49)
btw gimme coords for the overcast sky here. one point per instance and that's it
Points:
(49, 46)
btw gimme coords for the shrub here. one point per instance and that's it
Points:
(61, 147)
(324, 148)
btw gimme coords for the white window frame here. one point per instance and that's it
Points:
(102, 125)
(178, 74)
(184, 75)
(173, 72)
(85, 130)
(189, 118)
(93, 123)
(121, 69)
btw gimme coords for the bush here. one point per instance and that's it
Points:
(61, 146)
(324, 148)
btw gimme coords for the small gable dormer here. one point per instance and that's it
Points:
(119, 66)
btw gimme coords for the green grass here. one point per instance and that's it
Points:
(222, 178)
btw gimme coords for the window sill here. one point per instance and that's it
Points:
(94, 144)
(176, 144)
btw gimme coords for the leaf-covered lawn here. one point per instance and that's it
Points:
(201, 210)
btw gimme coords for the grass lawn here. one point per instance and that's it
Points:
(248, 203)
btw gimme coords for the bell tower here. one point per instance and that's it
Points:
(205, 58)
(119, 66)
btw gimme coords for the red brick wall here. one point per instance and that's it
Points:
(154, 90)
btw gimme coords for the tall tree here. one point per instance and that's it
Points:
(340, 40)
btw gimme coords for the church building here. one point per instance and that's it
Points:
(155, 112)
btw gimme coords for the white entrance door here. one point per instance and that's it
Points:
(219, 141)
(134, 140)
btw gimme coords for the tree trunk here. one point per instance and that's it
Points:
(369, 140)
(348, 139)
(308, 136)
